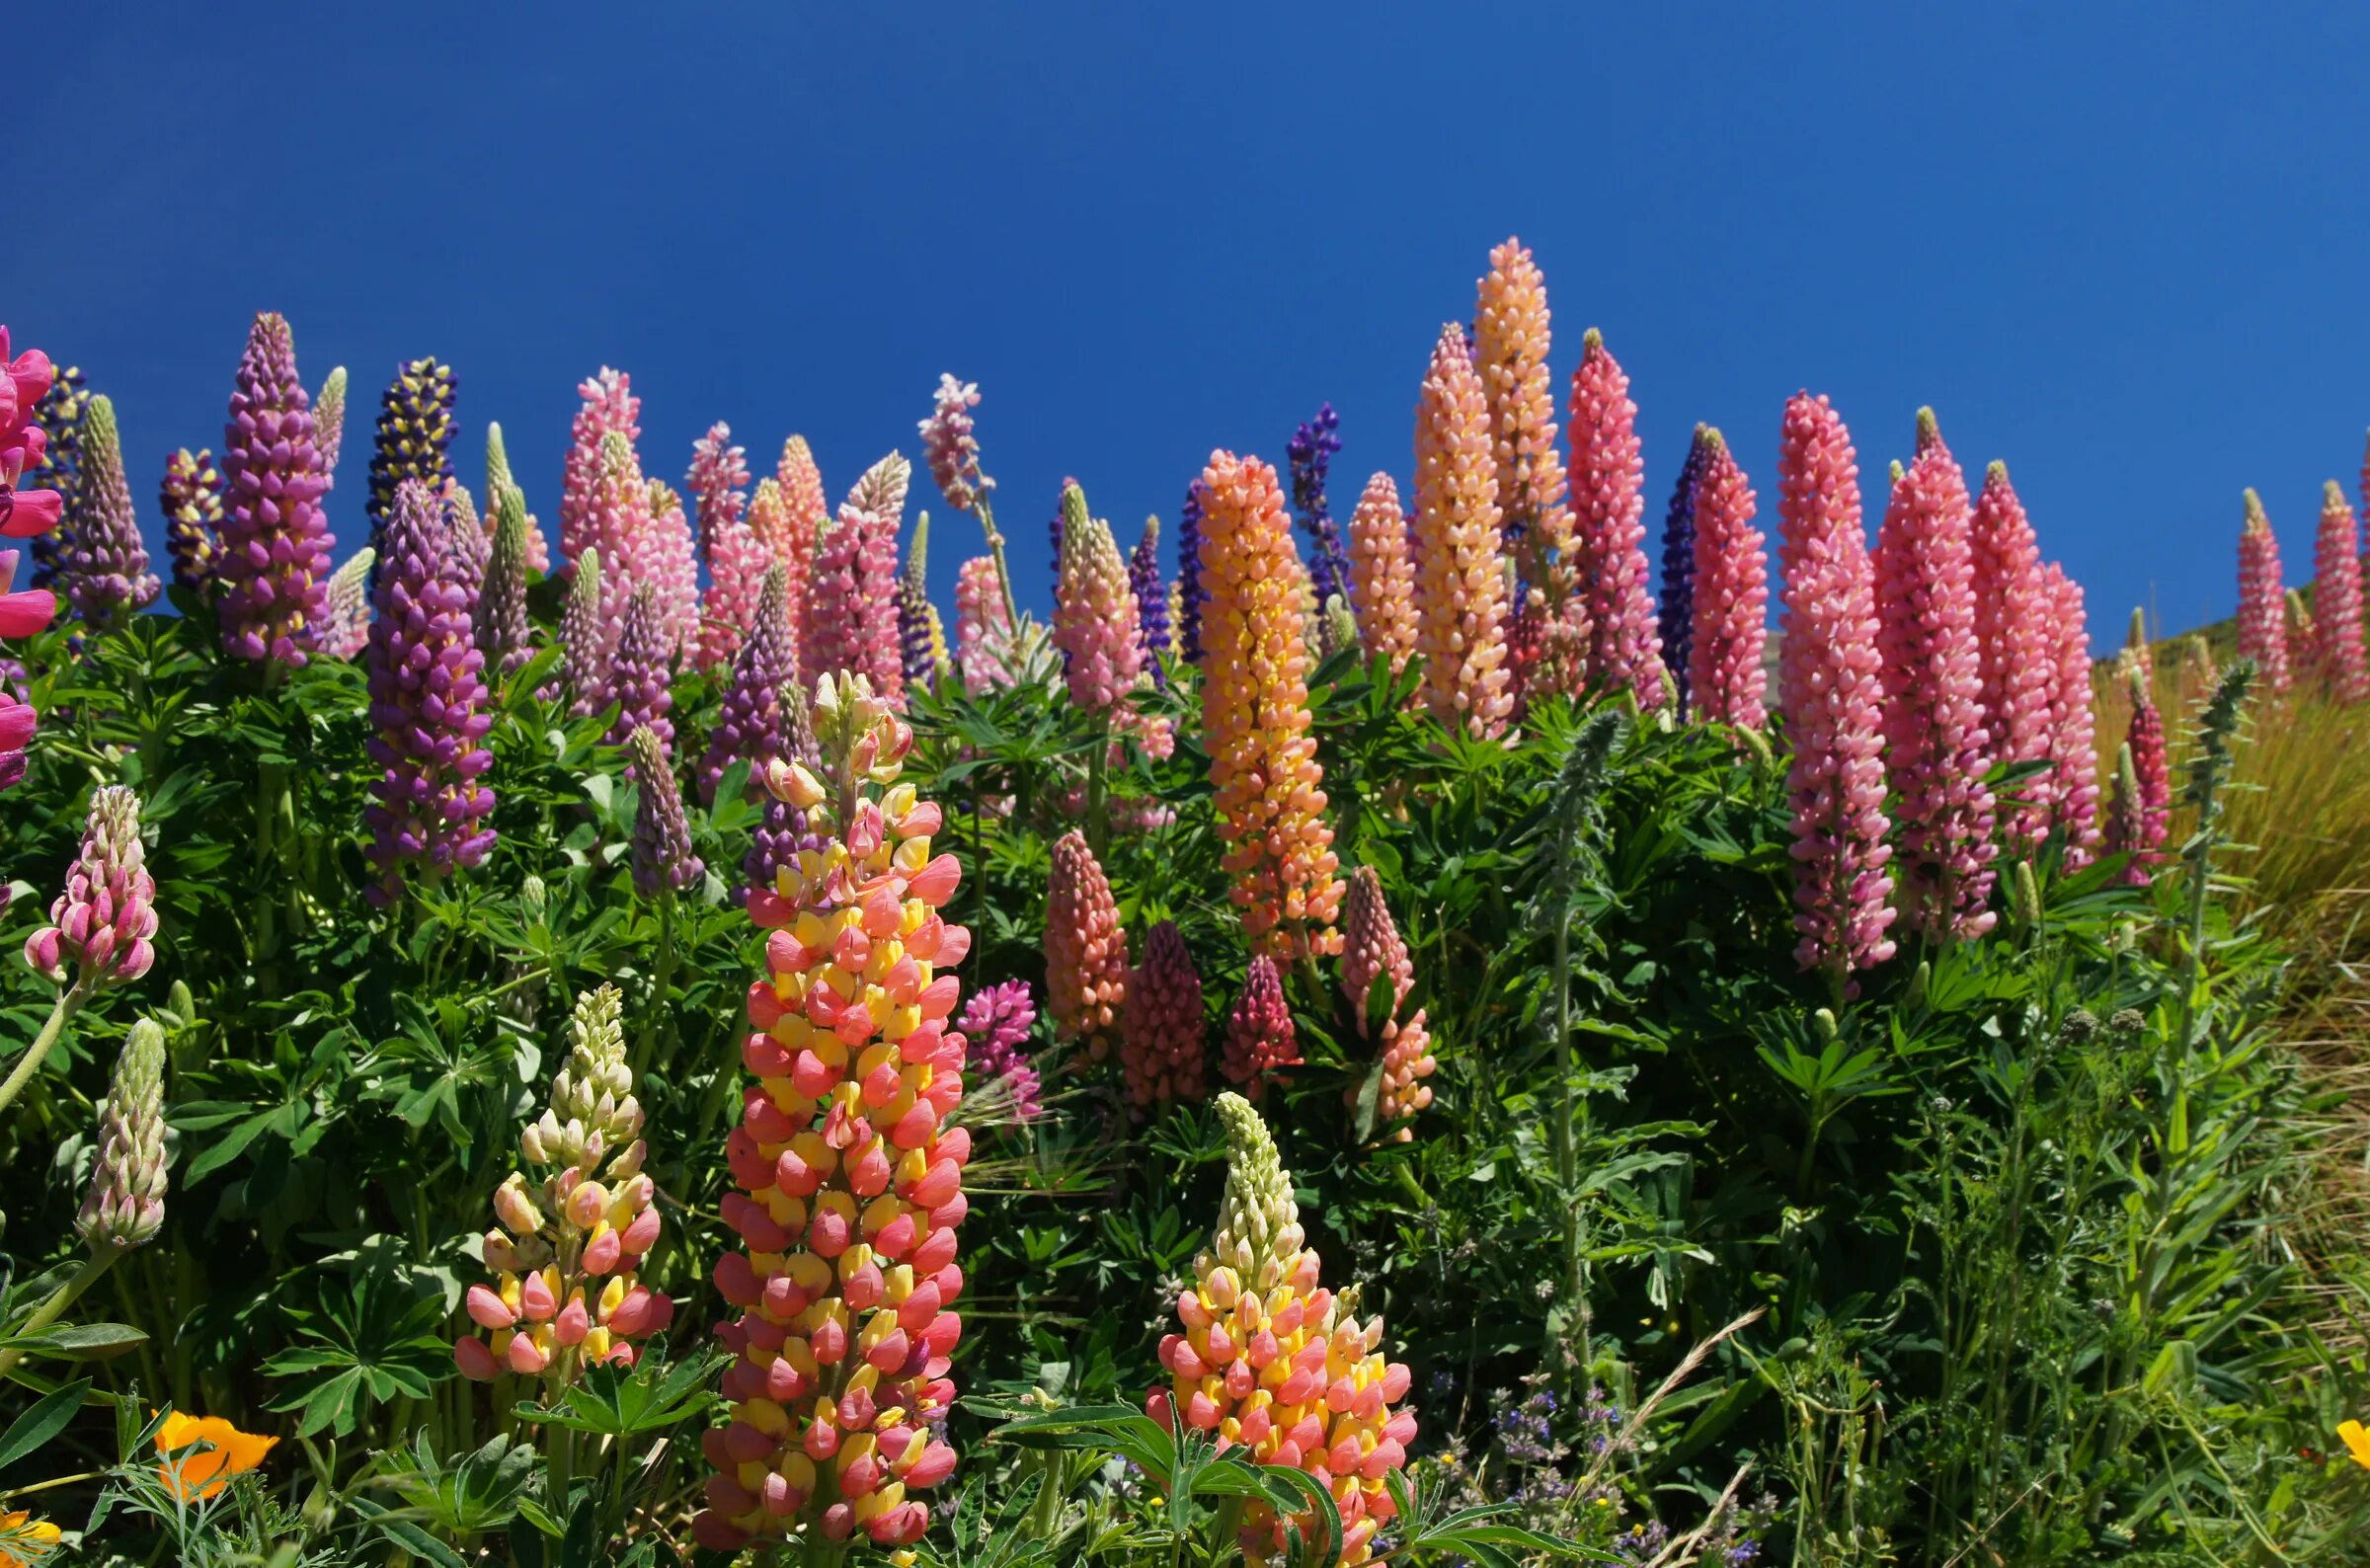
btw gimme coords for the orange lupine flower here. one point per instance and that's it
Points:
(1510, 352)
(1460, 598)
(207, 1472)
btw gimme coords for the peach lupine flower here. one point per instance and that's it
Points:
(2013, 637)
(851, 622)
(1161, 1050)
(1275, 1362)
(1461, 603)
(2263, 608)
(1086, 949)
(1370, 949)
(228, 1452)
(1095, 613)
(2073, 747)
(1261, 1039)
(1608, 508)
(1511, 341)
(850, 1182)
(1730, 611)
(2337, 655)
(1283, 878)
(805, 514)
(1382, 573)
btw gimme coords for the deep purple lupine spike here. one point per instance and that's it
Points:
(1189, 572)
(275, 542)
(192, 497)
(105, 567)
(663, 861)
(638, 680)
(1310, 454)
(1151, 600)
(1678, 608)
(749, 727)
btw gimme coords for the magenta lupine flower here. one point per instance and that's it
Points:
(851, 603)
(609, 407)
(1608, 500)
(24, 381)
(1831, 687)
(617, 516)
(983, 621)
(103, 920)
(951, 447)
(1936, 749)
(1160, 1047)
(1095, 614)
(21, 615)
(1729, 617)
(661, 857)
(638, 682)
(750, 725)
(995, 1025)
(192, 497)
(275, 542)
(1151, 600)
(427, 703)
(2336, 599)
(1260, 1038)
(2143, 808)
(2262, 600)
(718, 482)
(2013, 638)
(2073, 747)
(104, 567)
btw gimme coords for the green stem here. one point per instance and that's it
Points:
(657, 1018)
(1003, 573)
(69, 1002)
(1098, 811)
(44, 1487)
(98, 1263)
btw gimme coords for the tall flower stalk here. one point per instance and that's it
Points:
(1190, 595)
(1608, 502)
(1161, 1050)
(1729, 622)
(104, 568)
(2073, 753)
(2014, 637)
(638, 682)
(1461, 600)
(750, 725)
(276, 543)
(805, 514)
(2262, 600)
(851, 608)
(1382, 573)
(413, 440)
(1309, 456)
(1086, 949)
(499, 619)
(1674, 623)
(1374, 951)
(190, 497)
(2142, 812)
(1261, 1039)
(1151, 600)
(2339, 656)
(1512, 339)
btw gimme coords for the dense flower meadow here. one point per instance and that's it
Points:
(1462, 1031)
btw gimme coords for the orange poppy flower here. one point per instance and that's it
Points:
(25, 1542)
(205, 1474)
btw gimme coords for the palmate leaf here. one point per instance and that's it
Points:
(481, 1493)
(376, 1340)
(616, 1401)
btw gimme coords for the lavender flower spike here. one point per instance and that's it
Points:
(750, 725)
(638, 680)
(104, 568)
(1151, 600)
(1310, 454)
(663, 861)
(275, 544)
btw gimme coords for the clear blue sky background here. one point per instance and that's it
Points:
(2122, 247)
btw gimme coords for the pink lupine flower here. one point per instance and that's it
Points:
(609, 408)
(667, 561)
(105, 918)
(21, 615)
(24, 381)
(718, 481)
(737, 568)
(1260, 1039)
(1609, 529)
(1460, 597)
(1382, 573)
(2142, 811)
(982, 619)
(1829, 685)
(950, 446)
(1936, 749)
(852, 605)
(2073, 749)
(1724, 678)
(615, 517)
(2013, 638)
(23, 612)
(2263, 608)
(1160, 1046)
(1371, 950)
(996, 1025)
(1095, 613)
(1086, 949)
(2338, 652)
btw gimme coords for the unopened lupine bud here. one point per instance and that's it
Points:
(126, 1202)
(996, 1025)
(346, 614)
(329, 420)
(1161, 1050)
(106, 913)
(663, 860)
(584, 652)
(1260, 1038)
(1086, 949)
(500, 616)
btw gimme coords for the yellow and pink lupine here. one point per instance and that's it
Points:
(1463, 604)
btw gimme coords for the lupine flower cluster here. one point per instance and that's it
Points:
(1272, 1360)
(996, 1025)
(124, 1206)
(662, 860)
(1373, 949)
(2339, 657)
(1382, 573)
(24, 381)
(499, 483)
(413, 440)
(104, 567)
(982, 622)
(102, 922)
(951, 447)
(1086, 949)
(851, 604)
(345, 629)
(638, 677)
(1461, 600)
(2072, 762)
(1190, 597)
(1674, 623)
(1261, 1041)
(1730, 618)
(500, 617)
(329, 420)
(850, 1186)
(1511, 341)
(1095, 612)
(56, 466)
(2263, 608)
(804, 513)
(1151, 600)
(584, 651)
(1160, 1048)
(1608, 530)
(609, 408)
(750, 725)
(276, 543)
(573, 1236)
(192, 497)
(783, 832)
(1308, 455)
(736, 563)
(2142, 812)
(921, 643)
(2016, 628)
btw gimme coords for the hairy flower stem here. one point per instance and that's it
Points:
(102, 1258)
(995, 547)
(69, 1002)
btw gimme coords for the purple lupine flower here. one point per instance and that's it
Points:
(59, 415)
(427, 703)
(1310, 454)
(995, 1025)
(104, 918)
(500, 615)
(1189, 573)
(583, 642)
(749, 727)
(192, 497)
(1677, 609)
(1151, 600)
(638, 682)
(465, 540)
(414, 440)
(663, 861)
(105, 567)
(275, 542)
(916, 644)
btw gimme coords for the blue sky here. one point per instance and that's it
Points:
(2120, 247)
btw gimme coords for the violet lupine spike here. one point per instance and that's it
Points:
(749, 725)
(2073, 749)
(663, 861)
(56, 466)
(428, 707)
(1730, 616)
(1674, 616)
(2336, 599)
(504, 635)
(192, 499)
(1160, 1051)
(719, 484)
(275, 542)
(2262, 600)
(785, 832)
(1309, 456)
(913, 613)
(1190, 597)
(995, 1025)
(583, 642)
(1831, 689)
(638, 682)
(1937, 753)
(105, 567)
(951, 447)
(1151, 600)
(346, 623)
(2014, 632)
(103, 920)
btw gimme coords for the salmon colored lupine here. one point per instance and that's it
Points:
(1511, 342)
(1261, 1039)
(1936, 749)
(569, 1250)
(981, 619)
(805, 512)
(2262, 600)
(1095, 613)
(1609, 529)
(1284, 878)
(852, 605)
(850, 1184)
(1370, 949)
(1729, 619)
(1382, 573)
(1275, 1362)
(1461, 606)
(2142, 811)
(2339, 657)
(2073, 747)
(103, 919)
(1161, 1050)
(1831, 689)
(2013, 637)
(1086, 949)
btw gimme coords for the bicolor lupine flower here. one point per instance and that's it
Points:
(1675, 615)
(499, 620)
(1307, 456)
(1936, 749)
(850, 1182)
(851, 604)
(125, 1205)
(1151, 600)
(1261, 1041)
(638, 682)
(104, 918)
(575, 1226)
(2073, 751)
(981, 621)
(1190, 595)
(750, 725)
(617, 515)
(1461, 606)
(27, 508)
(499, 480)
(2337, 656)
(995, 1025)
(346, 615)
(2142, 812)
(661, 861)
(329, 422)
(609, 408)
(1382, 573)
(1608, 530)
(719, 484)
(584, 651)
(1086, 949)
(1095, 613)
(1511, 341)
(276, 543)
(1160, 1047)
(192, 499)
(1729, 621)
(1372, 951)
(1283, 876)
(915, 618)
(2262, 607)
(2014, 641)
(1831, 688)
(104, 568)
(952, 448)
(55, 467)
(805, 514)
(427, 705)
(1272, 1360)
(413, 440)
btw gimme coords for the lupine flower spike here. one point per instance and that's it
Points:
(750, 728)
(1261, 1041)
(329, 420)
(2339, 656)
(1190, 596)
(661, 861)
(981, 624)
(1284, 876)
(498, 481)
(1729, 623)
(104, 567)
(21, 615)
(1937, 751)
(346, 621)
(728, 543)
(1461, 603)
(1675, 615)
(57, 467)
(1161, 1051)
(126, 1202)
(1382, 573)
(573, 1236)
(1095, 612)
(1151, 600)
(102, 922)
(1609, 529)
(2142, 812)
(1511, 343)
(1373, 949)
(609, 408)
(1272, 1360)
(25, 510)
(500, 617)
(275, 544)
(951, 446)
(2135, 643)
(851, 606)
(1831, 689)
(719, 485)
(584, 651)
(192, 499)
(2014, 636)
(791, 532)
(1086, 949)
(413, 440)
(1308, 455)
(995, 1025)
(2263, 608)
(2073, 754)
(915, 617)
(638, 682)
(849, 1183)
(784, 832)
